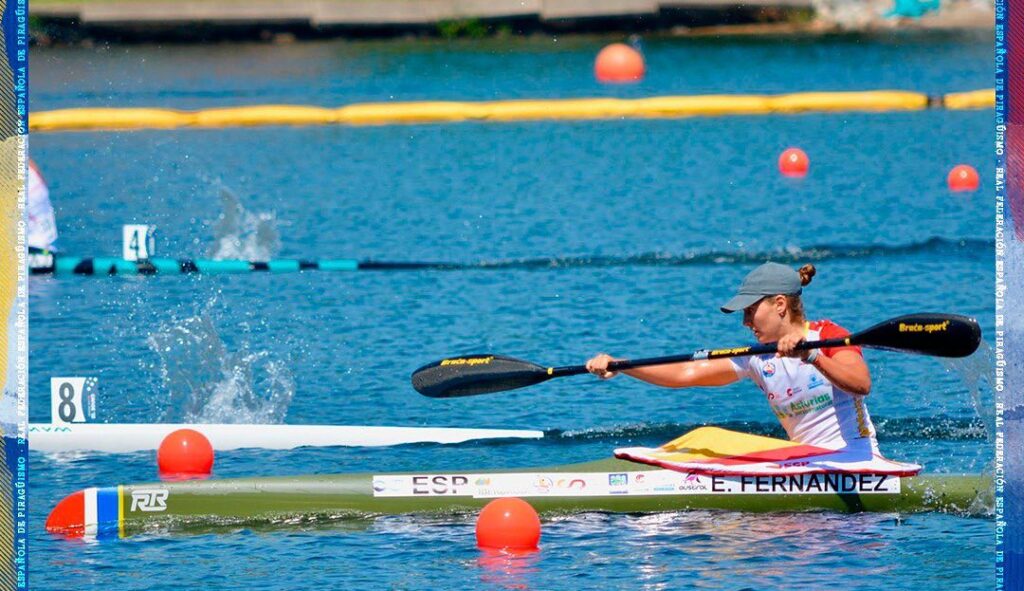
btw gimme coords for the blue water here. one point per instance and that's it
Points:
(574, 238)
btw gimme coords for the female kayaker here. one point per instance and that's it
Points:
(817, 395)
(42, 225)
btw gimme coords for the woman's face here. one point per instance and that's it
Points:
(766, 318)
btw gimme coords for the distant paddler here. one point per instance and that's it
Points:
(817, 395)
(42, 223)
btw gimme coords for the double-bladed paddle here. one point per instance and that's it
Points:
(941, 335)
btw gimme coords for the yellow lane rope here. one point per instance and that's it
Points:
(518, 110)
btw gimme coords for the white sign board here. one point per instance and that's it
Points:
(73, 400)
(138, 242)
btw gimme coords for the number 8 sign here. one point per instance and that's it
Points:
(72, 400)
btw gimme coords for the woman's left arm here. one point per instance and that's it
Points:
(846, 370)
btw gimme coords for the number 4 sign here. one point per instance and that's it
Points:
(138, 242)
(73, 400)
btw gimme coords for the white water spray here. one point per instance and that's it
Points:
(241, 234)
(207, 383)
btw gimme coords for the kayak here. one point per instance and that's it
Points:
(608, 485)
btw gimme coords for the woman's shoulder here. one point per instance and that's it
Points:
(827, 329)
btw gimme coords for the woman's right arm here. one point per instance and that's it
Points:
(715, 372)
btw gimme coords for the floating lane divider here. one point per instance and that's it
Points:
(72, 265)
(398, 113)
(64, 265)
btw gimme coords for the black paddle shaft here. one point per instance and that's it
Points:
(699, 355)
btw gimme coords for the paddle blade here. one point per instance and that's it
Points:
(941, 335)
(470, 375)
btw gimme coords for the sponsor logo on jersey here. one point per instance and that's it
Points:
(768, 370)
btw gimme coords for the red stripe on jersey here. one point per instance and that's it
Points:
(830, 330)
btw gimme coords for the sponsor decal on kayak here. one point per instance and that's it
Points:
(149, 501)
(807, 484)
(385, 484)
(571, 483)
(641, 483)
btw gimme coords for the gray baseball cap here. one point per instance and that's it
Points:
(767, 280)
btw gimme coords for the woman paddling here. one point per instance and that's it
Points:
(817, 395)
(42, 225)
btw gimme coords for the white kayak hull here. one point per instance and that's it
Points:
(126, 438)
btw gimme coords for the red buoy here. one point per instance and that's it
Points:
(619, 63)
(184, 454)
(794, 162)
(508, 524)
(963, 177)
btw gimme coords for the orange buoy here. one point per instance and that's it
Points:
(619, 63)
(184, 454)
(963, 177)
(794, 162)
(508, 524)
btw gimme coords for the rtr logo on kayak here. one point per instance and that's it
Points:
(149, 501)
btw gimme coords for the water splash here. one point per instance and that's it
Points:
(207, 383)
(241, 234)
(977, 374)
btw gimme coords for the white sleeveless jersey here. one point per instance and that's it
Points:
(42, 224)
(810, 408)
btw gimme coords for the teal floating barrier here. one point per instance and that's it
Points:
(62, 265)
